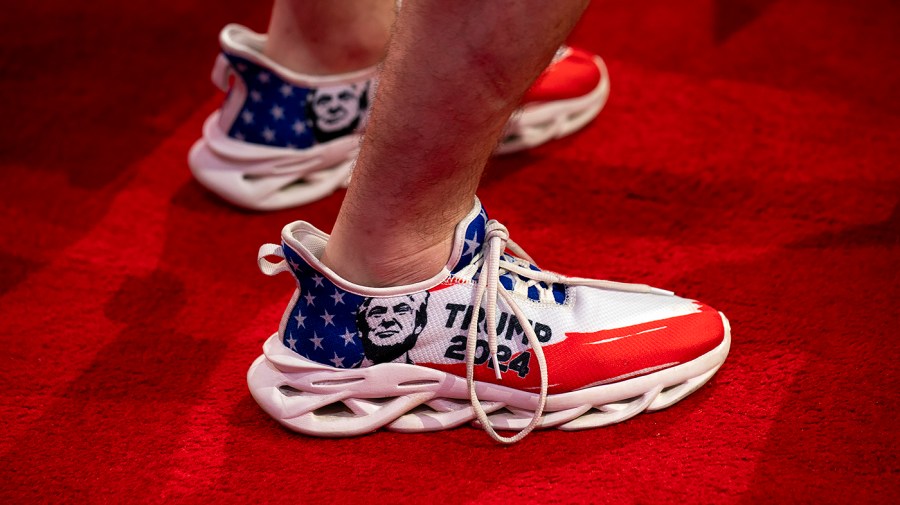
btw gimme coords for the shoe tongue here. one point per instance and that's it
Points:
(468, 238)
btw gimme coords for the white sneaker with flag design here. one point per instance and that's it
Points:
(490, 339)
(283, 139)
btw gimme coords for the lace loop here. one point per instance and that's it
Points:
(495, 243)
(269, 267)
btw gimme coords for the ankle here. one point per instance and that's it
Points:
(322, 57)
(319, 38)
(378, 266)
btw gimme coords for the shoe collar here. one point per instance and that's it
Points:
(238, 40)
(303, 245)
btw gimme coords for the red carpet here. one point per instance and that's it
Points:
(748, 157)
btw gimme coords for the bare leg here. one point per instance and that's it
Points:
(329, 36)
(454, 73)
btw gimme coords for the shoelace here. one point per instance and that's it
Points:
(496, 242)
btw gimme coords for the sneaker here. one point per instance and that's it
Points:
(491, 339)
(283, 139)
(280, 138)
(566, 96)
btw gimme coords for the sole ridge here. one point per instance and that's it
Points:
(292, 397)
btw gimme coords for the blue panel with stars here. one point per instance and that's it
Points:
(473, 240)
(322, 324)
(275, 112)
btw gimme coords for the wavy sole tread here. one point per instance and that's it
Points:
(318, 400)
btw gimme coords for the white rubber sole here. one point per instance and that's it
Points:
(539, 123)
(319, 400)
(269, 178)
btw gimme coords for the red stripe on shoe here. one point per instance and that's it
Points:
(575, 75)
(606, 356)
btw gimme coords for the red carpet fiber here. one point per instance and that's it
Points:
(748, 157)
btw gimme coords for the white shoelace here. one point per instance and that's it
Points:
(496, 242)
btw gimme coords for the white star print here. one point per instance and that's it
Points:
(338, 297)
(318, 280)
(239, 136)
(317, 341)
(256, 96)
(337, 360)
(286, 90)
(309, 298)
(471, 246)
(298, 127)
(263, 77)
(268, 134)
(294, 264)
(247, 116)
(300, 318)
(292, 342)
(277, 112)
(366, 362)
(347, 336)
(328, 318)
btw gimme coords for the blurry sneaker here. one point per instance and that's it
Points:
(280, 138)
(567, 96)
(283, 139)
(491, 339)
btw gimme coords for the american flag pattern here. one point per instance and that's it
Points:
(473, 240)
(275, 112)
(321, 326)
(474, 237)
(617, 334)
(322, 323)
